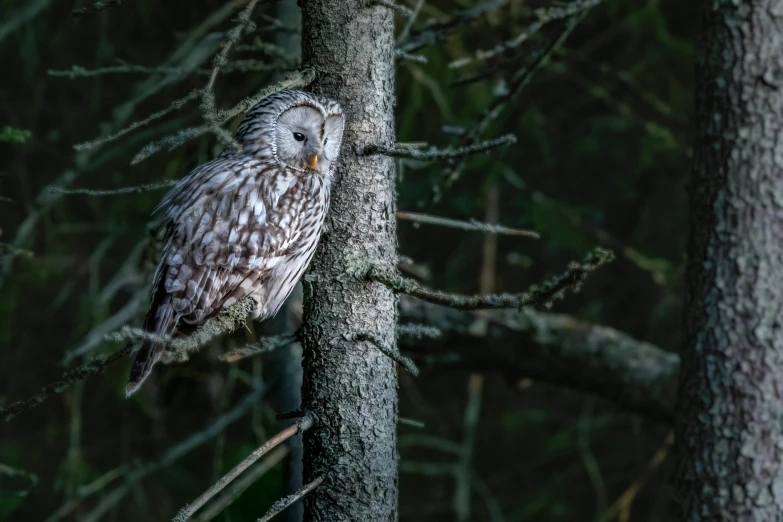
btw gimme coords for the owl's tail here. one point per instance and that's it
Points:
(164, 322)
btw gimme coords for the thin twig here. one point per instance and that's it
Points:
(94, 8)
(293, 80)
(69, 378)
(388, 351)
(621, 508)
(544, 16)
(543, 294)
(473, 225)
(409, 24)
(402, 55)
(411, 422)
(435, 31)
(658, 268)
(284, 502)
(115, 192)
(436, 154)
(520, 80)
(11, 250)
(405, 11)
(31, 478)
(418, 331)
(239, 486)
(264, 345)
(175, 105)
(232, 37)
(175, 452)
(186, 512)
(78, 71)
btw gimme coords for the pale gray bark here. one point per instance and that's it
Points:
(351, 386)
(730, 411)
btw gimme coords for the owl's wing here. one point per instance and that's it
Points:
(225, 232)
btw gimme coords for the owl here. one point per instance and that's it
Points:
(246, 223)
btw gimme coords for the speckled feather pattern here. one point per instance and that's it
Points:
(244, 224)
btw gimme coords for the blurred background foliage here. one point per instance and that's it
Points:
(601, 159)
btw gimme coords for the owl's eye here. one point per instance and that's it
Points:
(326, 140)
(298, 136)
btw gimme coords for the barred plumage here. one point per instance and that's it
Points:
(245, 224)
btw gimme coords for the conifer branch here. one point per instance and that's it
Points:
(543, 295)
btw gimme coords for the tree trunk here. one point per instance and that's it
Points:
(730, 411)
(351, 386)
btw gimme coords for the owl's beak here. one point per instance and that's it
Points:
(313, 162)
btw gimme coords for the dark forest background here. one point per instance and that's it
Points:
(601, 159)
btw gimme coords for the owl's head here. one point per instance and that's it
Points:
(297, 129)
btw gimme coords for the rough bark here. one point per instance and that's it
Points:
(730, 408)
(552, 348)
(351, 386)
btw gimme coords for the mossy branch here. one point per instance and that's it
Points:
(227, 321)
(538, 295)
(138, 189)
(95, 367)
(436, 154)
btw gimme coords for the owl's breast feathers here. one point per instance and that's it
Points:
(236, 226)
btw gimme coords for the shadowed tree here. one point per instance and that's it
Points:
(730, 413)
(350, 385)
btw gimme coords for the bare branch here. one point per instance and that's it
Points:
(283, 503)
(301, 426)
(95, 367)
(519, 81)
(77, 71)
(544, 15)
(418, 58)
(239, 486)
(28, 11)
(409, 24)
(411, 422)
(434, 32)
(172, 454)
(473, 225)
(293, 80)
(232, 37)
(436, 154)
(418, 331)
(394, 7)
(543, 294)
(553, 348)
(97, 6)
(30, 478)
(175, 106)
(264, 345)
(386, 350)
(115, 192)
